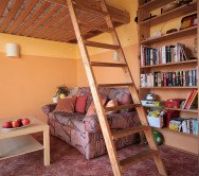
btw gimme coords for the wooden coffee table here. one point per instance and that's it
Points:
(19, 141)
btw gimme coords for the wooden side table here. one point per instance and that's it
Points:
(19, 141)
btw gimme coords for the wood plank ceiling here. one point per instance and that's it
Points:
(50, 20)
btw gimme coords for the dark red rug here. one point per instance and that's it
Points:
(67, 161)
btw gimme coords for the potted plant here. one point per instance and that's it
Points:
(62, 92)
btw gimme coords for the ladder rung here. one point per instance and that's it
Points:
(116, 85)
(138, 157)
(105, 64)
(101, 45)
(117, 134)
(116, 108)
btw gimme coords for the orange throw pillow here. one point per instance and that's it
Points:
(112, 103)
(66, 105)
(91, 110)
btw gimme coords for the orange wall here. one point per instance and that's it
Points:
(29, 82)
(40, 47)
(111, 75)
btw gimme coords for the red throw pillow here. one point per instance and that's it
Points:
(66, 105)
(80, 104)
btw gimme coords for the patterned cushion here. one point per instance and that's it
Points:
(91, 110)
(122, 96)
(116, 121)
(68, 118)
(86, 91)
(66, 105)
(111, 103)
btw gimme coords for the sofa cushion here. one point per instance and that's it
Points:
(74, 120)
(121, 95)
(66, 105)
(116, 121)
(86, 91)
(80, 104)
(91, 110)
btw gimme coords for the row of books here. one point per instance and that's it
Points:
(164, 79)
(165, 54)
(189, 126)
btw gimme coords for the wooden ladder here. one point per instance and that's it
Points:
(111, 136)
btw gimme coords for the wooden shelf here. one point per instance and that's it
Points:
(171, 64)
(154, 4)
(177, 12)
(183, 110)
(193, 87)
(174, 109)
(174, 35)
(177, 132)
(18, 146)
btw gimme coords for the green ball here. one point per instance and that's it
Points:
(158, 137)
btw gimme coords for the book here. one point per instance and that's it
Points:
(187, 99)
(191, 99)
(190, 126)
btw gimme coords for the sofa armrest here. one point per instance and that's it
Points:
(48, 108)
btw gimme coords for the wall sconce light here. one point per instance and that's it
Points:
(116, 56)
(12, 50)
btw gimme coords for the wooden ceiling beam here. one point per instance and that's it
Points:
(42, 20)
(49, 26)
(59, 26)
(3, 6)
(60, 2)
(10, 15)
(118, 15)
(25, 12)
(101, 28)
(34, 17)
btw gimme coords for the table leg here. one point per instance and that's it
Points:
(46, 143)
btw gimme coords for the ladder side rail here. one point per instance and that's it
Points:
(92, 83)
(135, 95)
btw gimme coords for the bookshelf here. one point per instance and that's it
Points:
(181, 33)
(194, 61)
(182, 141)
(183, 110)
(179, 11)
(183, 87)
